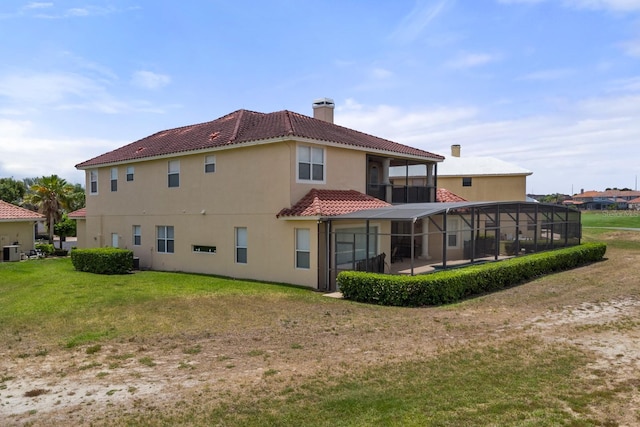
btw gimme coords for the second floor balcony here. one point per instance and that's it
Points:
(399, 194)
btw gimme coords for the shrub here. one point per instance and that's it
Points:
(46, 248)
(60, 252)
(102, 260)
(449, 286)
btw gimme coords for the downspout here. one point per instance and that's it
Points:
(444, 239)
(473, 235)
(327, 250)
(406, 181)
(413, 226)
(518, 230)
(366, 254)
(498, 233)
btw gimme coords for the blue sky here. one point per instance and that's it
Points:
(549, 85)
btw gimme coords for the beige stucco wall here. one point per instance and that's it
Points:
(487, 188)
(249, 187)
(81, 232)
(21, 232)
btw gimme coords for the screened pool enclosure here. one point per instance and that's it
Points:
(420, 238)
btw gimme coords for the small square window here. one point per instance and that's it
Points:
(466, 182)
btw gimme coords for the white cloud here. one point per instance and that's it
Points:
(150, 80)
(611, 5)
(381, 73)
(47, 88)
(67, 91)
(470, 60)
(38, 5)
(614, 5)
(414, 23)
(590, 145)
(554, 74)
(23, 154)
(631, 47)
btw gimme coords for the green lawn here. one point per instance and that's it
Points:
(625, 219)
(48, 302)
(484, 379)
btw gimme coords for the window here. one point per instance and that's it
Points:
(165, 239)
(174, 173)
(114, 179)
(453, 233)
(209, 164)
(114, 240)
(311, 164)
(129, 173)
(93, 179)
(241, 245)
(204, 249)
(303, 248)
(466, 182)
(137, 235)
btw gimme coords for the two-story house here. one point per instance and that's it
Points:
(244, 195)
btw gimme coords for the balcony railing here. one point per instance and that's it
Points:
(402, 193)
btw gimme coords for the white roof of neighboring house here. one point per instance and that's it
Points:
(464, 166)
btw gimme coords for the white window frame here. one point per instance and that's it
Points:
(302, 246)
(241, 243)
(93, 178)
(115, 240)
(137, 232)
(210, 160)
(130, 173)
(165, 238)
(173, 169)
(114, 179)
(453, 224)
(311, 160)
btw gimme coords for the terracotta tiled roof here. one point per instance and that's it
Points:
(445, 196)
(9, 212)
(244, 126)
(80, 213)
(332, 202)
(635, 201)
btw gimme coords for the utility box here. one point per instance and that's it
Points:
(11, 253)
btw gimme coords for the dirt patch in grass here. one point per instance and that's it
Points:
(265, 346)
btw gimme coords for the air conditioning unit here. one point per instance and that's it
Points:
(11, 253)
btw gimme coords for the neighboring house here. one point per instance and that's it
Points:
(18, 227)
(635, 204)
(247, 195)
(472, 178)
(601, 200)
(79, 216)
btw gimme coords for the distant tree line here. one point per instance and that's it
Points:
(52, 196)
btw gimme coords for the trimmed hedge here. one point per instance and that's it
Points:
(448, 286)
(102, 260)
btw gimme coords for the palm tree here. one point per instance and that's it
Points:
(50, 194)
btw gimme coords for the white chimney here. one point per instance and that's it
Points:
(455, 150)
(323, 109)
